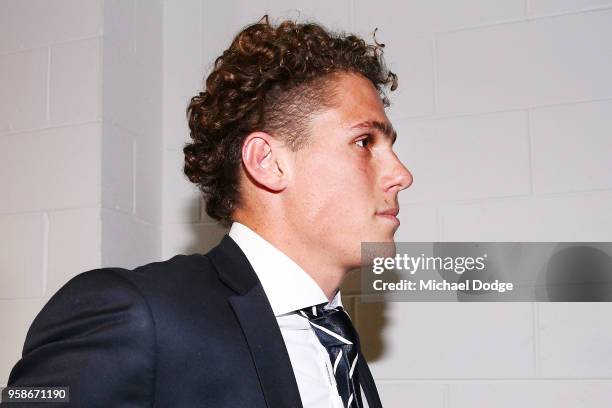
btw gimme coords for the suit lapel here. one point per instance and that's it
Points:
(258, 324)
(268, 349)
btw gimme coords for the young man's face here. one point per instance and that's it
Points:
(347, 175)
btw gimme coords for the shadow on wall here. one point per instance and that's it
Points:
(369, 316)
(577, 273)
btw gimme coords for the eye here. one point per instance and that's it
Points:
(364, 142)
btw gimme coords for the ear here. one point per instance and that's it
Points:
(264, 161)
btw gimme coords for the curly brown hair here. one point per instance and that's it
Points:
(270, 79)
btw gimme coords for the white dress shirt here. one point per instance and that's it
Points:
(289, 288)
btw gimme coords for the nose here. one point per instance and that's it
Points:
(399, 177)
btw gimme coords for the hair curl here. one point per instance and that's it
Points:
(270, 79)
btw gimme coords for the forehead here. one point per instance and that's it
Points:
(358, 99)
(357, 107)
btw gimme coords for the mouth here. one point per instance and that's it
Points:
(390, 214)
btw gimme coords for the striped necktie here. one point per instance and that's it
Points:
(336, 333)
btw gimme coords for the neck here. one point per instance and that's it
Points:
(320, 266)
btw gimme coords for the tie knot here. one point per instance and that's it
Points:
(333, 326)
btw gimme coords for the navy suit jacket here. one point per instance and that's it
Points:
(192, 331)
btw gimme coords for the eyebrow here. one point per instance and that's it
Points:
(386, 129)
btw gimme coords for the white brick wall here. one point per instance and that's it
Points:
(50, 167)
(503, 114)
(447, 157)
(16, 315)
(23, 243)
(571, 147)
(81, 152)
(76, 66)
(132, 145)
(542, 61)
(187, 228)
(24, 88)
(532, 394)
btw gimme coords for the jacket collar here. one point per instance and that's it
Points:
(233, 266)
(258, 324)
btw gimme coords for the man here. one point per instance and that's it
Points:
(292, 148)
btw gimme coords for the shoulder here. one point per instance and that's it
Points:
(129, 293)
(133, 282)
(87, 300)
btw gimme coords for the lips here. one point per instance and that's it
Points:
(390, 214)
(390, 211)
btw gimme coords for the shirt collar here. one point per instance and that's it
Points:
(287, 286)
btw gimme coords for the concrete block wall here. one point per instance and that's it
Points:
(80, 148)
(503, 115)
(132, 148)
(50, 168)
(186, 228)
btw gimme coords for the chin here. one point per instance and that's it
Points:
(381, 249)
(385, 237)
(389, 238)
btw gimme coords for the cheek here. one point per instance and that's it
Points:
(333, 189)
(343, 167)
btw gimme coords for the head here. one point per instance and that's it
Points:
(291, 135)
